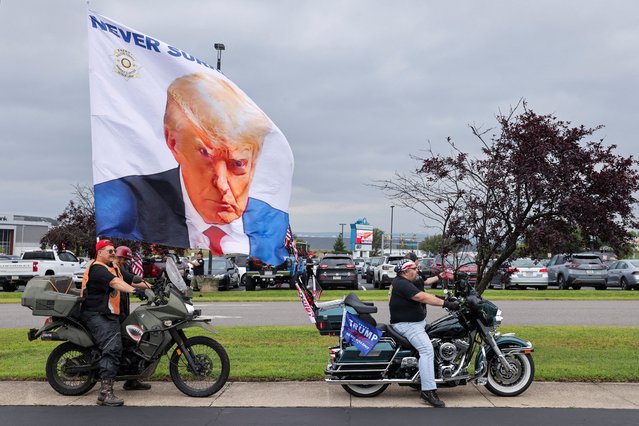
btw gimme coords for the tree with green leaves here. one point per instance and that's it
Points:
(378, 236)
(338, 246)
(538, 181)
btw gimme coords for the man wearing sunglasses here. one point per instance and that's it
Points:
(101, 287)
(407, 305)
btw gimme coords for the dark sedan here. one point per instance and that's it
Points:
(334, 271)
(225, 271)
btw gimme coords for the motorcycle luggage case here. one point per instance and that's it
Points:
(329, 321)
(51, 296)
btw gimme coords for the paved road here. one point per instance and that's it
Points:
(542, 312)
(159, 416)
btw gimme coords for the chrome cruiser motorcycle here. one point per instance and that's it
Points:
(468, 349)
(199, 365)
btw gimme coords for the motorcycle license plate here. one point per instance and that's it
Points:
(337, 277)
(14, 277)
(268, 273)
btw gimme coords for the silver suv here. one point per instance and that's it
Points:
(385, 271)
(576, 270)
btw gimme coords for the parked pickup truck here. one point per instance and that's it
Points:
(154, 267)
(36, 263)
(264, 275)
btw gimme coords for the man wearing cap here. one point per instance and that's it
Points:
(101, 287)
(408, 317)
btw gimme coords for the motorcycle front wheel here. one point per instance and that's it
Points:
(62, 366)
(364, 391)
(210, 372)
(505, 382)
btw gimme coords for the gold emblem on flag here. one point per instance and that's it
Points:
(125, 64)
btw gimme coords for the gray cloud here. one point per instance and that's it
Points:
(356, 86)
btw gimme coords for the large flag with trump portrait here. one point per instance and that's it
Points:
(181, 155)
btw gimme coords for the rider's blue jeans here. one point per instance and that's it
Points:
(415, 333)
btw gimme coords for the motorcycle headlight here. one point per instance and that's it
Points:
(498, 317)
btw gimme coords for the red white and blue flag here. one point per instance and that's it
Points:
(359, 334)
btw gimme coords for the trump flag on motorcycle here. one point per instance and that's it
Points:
(359, 334)
(182, 156)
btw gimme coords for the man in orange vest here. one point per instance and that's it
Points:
(101, 287)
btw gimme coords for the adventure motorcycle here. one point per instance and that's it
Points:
(502, 362)
(199, 366)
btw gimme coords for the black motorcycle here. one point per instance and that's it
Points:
(468, 349)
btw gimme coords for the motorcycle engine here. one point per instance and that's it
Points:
(448, 351)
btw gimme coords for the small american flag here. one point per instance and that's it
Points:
(136, 265)
(289, 243)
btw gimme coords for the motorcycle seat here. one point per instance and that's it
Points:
(389, 331)
(360, 307)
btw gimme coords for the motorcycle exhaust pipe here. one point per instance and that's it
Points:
(51, 336)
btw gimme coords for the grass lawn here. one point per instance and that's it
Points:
(379, 295)
(300, 353)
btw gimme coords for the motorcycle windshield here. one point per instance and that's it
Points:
(174, 275)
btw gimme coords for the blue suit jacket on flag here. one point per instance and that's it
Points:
(150, 208)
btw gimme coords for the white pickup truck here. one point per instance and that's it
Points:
(36, 263)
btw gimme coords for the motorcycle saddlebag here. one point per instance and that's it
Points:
(51, 296)
(329, 321)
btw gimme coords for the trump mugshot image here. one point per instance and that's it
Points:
(215, 134)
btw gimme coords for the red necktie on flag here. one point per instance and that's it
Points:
(215, 236)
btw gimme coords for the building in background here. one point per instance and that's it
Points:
(19, 233)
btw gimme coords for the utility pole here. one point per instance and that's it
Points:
(342, 225)
(391, 233)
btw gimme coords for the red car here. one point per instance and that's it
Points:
(455, 263)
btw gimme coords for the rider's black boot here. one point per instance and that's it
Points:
(432, 398)
(106, 396)
(135, 385)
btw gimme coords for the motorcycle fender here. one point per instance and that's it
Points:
(204, 323)
(507, 344)
(62, 331)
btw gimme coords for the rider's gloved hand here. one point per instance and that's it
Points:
(140, 293)
(451, 305)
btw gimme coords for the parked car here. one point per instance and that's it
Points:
(337, 270)
(359, 264)
(424, 267)
(240, 260)
(35, 263)
(264, 275)
(463, 263)
(624, 273)
(521, 273)
(384, 272)
(225, 271)
(577, 270)
(369, 274)
(154, 267)
(78, 275)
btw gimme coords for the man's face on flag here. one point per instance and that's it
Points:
(216, 134)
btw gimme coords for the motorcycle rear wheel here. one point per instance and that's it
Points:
(505, 383)
(71, 384)
(212, 364)
(365, 391)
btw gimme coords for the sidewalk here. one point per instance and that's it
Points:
(320, 394)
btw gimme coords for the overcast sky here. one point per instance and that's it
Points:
(356, 86)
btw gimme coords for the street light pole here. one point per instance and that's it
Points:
(342, 225)
(391, 233)
(219, 47)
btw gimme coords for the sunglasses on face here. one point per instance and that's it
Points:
(110, 251)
